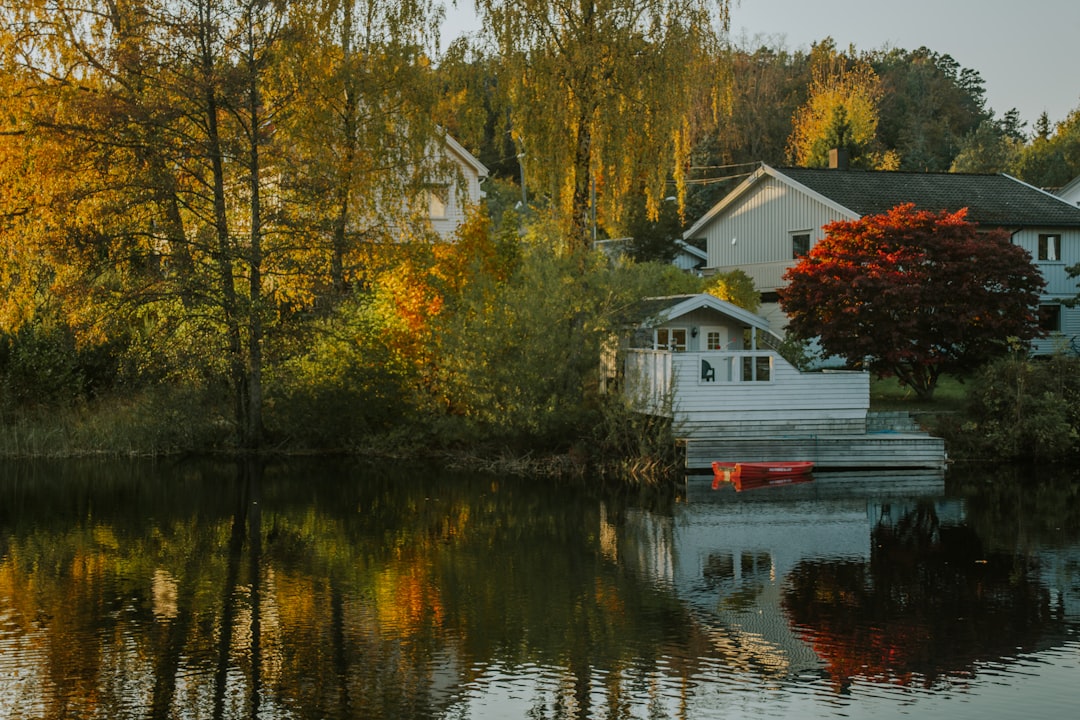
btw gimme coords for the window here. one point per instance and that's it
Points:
(800, 244)
(1050, 248)
(714, 340)
(1050, 318)
(438, 201)
(673, 339)
(756, 368)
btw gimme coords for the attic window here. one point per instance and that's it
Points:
(1050, 248)
(800, 244)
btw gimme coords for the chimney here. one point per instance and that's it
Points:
(838, 159)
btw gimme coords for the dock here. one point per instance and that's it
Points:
(891, 441)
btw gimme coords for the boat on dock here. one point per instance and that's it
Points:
(754, 475)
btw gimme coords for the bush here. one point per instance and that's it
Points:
(1021, 409)
(39, 365)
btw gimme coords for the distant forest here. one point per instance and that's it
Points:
(930, 115)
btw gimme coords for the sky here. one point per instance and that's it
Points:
(1025, 50)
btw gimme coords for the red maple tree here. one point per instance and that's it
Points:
(914, 294)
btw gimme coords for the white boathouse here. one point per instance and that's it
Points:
(715, 369)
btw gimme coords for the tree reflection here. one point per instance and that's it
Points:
(242, 592)
(344, 591)
(932, 602)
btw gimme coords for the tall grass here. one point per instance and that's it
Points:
(159, 421)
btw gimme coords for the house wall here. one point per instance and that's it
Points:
(790, 402)
(703, 320)
(1071, 192)
(761, 225)
(1059, 286)
(464, 192)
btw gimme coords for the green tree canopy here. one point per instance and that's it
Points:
(1051, 159)
(913, 294)
(736, 287)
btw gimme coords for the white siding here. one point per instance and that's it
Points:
(464, 192)
(790, 401)
(1058, 284)
(761, 225)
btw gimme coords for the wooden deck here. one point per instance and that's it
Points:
(892, 440)
(870, 450)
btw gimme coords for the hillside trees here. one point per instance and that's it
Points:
(598, 90)
(913, 294)
(841, 111)
(993, 146)
(1052, 158)
(929, 104)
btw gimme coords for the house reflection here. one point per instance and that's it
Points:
(845, 582)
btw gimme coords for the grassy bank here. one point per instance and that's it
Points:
(166, 421)
(1016, 409)
(949, 401)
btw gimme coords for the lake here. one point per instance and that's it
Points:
(337, 589)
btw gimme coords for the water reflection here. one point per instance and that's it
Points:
(337, 591)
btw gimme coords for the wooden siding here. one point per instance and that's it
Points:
(1058, 284)
(1065, 341)
(761, 225)
(464, 191)
(767, 277)
(884, 450)
(670, 384)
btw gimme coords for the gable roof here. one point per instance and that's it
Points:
(996, 200)
(469, 159)
(659, 310)
(991, 200)
(1069, 187)
(692, 250)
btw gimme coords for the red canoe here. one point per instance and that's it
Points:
(751, 475)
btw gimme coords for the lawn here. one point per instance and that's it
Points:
(888, 394)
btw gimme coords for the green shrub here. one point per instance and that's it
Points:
(39, 365)
(1021, 409)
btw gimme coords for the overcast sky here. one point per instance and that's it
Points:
(1027, 51)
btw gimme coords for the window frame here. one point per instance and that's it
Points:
(1049, 244)
(1050, 315)
(438, 201)
(669, 344)
(795, 237)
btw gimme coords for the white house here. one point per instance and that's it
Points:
(687, 258)
(777, 214)
(715, 370)
(1070, 193)
(450, 198)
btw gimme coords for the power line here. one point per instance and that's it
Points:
(725, 167)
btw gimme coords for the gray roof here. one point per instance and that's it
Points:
(993, 200)
(659, 310)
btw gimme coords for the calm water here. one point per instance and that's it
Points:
(343, 591)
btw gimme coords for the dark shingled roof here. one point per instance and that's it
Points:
(991, 200)
(648, 308)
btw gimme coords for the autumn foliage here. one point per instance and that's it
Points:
(913, 293)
